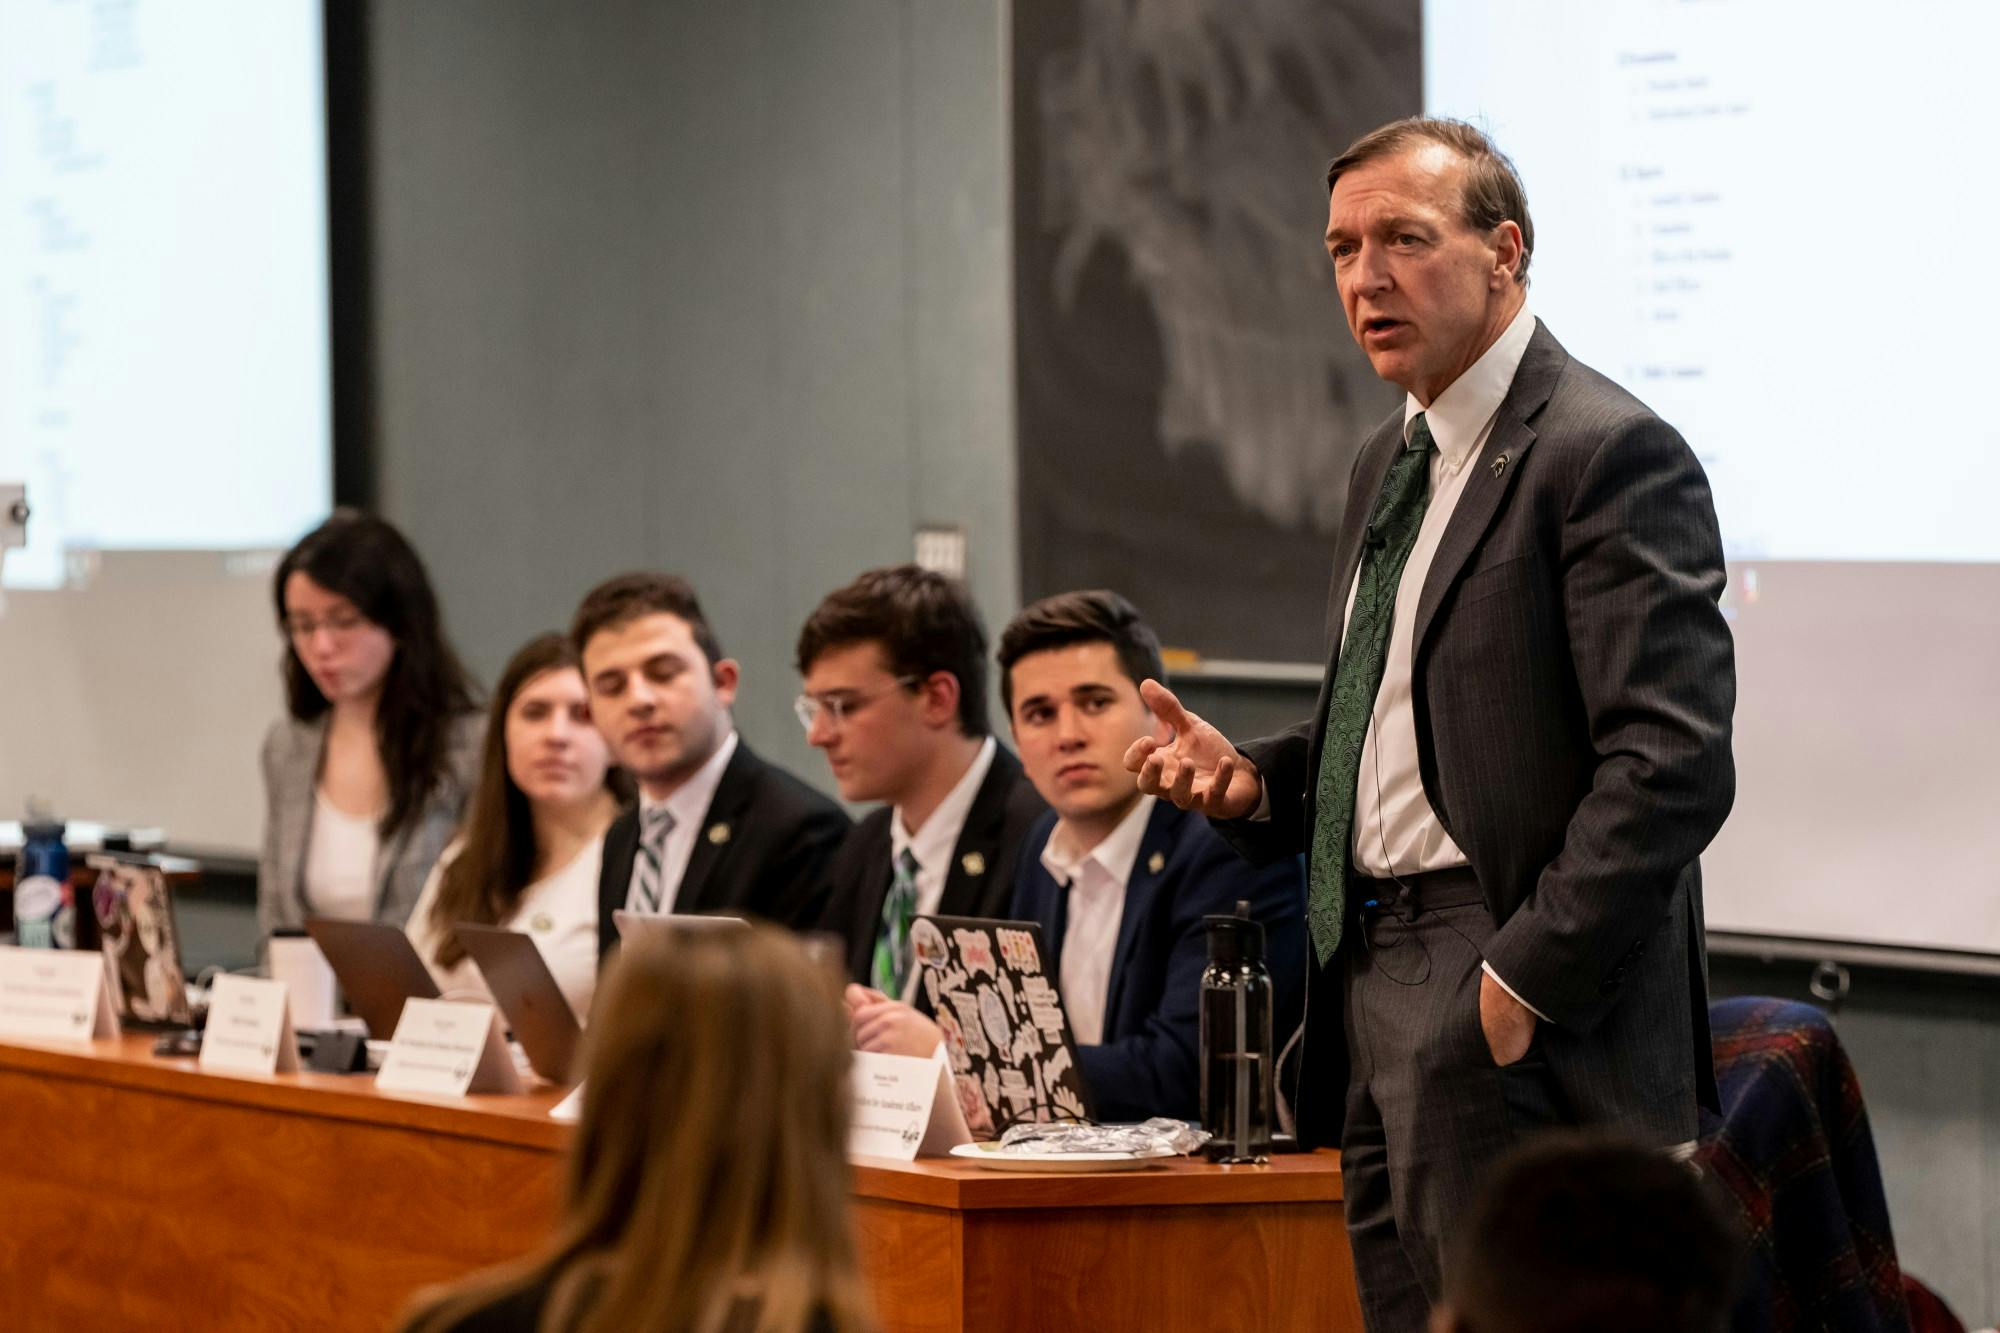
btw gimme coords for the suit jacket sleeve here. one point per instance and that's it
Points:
(795, 873)
(1641, 571)
(1155, 1069)
(271, 858)
(1284, 762)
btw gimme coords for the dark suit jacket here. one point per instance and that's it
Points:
(1148, 1063)
(1573, 684)
(979, 882)
(761, 849)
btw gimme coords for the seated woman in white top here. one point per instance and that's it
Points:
(529, 851)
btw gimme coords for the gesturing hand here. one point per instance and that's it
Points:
(1197, 769)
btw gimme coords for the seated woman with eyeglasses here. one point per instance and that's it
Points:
(532, 845)
(365, 779)
(708, 1182)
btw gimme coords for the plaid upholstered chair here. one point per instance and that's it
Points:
(1793, 1153)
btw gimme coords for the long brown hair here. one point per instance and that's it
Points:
(365, 560)
(708, 1180)
(496, 854)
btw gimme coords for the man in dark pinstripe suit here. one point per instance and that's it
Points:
(1522, 742)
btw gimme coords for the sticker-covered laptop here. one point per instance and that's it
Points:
(1005, 1031)
(141, 942)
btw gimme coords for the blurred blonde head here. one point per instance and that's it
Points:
(708, 1182)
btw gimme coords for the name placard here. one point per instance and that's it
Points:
(570, 1107)
(249, 1027)
(448, 1048)
(55, 995)
(904, 1106)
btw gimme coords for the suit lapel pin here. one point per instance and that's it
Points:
(973, 863)
(1499, 465)
(718, 834)
(1156, 863)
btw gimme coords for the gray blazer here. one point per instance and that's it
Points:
(291, 762)
(1573, 686)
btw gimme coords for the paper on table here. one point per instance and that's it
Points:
(904, 1106)
(249, 1027)
(56, 994)
(448, 1047)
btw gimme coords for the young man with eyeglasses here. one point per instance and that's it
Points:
(894, 666)
(716, 829)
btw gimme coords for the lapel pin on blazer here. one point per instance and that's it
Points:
(1500, 465)
(1156, 863)
(718, 834)
(974, 864)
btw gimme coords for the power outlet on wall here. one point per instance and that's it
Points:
(941, 550)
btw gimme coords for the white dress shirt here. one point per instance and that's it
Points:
(1395, 830)
(558, 912)
(1095, 878)
(689, 807)
(932, 844)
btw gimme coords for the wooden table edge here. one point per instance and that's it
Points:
(521, 1120)
(1291, 1178)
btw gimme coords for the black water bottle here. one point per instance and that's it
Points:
(1236, 1060)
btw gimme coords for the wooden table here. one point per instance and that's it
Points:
(141, 1193)
(949, 1246)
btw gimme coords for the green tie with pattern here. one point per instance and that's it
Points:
(1364, 652)
(892, 945)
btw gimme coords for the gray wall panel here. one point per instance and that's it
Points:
(720, 288)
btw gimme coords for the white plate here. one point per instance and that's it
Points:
(988, 1155)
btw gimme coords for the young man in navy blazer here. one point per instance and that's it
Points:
(1118, 881)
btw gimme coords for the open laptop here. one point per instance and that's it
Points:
(141, 941)
(1012, 1056)
(519, 978)
(377, 967)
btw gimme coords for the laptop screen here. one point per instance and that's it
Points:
(1008, 1039)
(135, 922)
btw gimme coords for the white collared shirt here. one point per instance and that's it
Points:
(1095, 878)
(689, 807)
(1395, 830)
(558, 912)
(932, 844)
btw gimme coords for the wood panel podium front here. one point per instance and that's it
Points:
(141, 1193)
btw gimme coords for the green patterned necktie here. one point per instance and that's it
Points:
(892, 945)
(1364, 652)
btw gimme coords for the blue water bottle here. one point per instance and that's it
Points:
(43, 916)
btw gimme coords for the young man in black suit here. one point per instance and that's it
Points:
(716, 829)
(1118, 881)
(894, 666)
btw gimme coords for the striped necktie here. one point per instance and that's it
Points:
(649, 866)
(892, 944)
(1364, 655)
